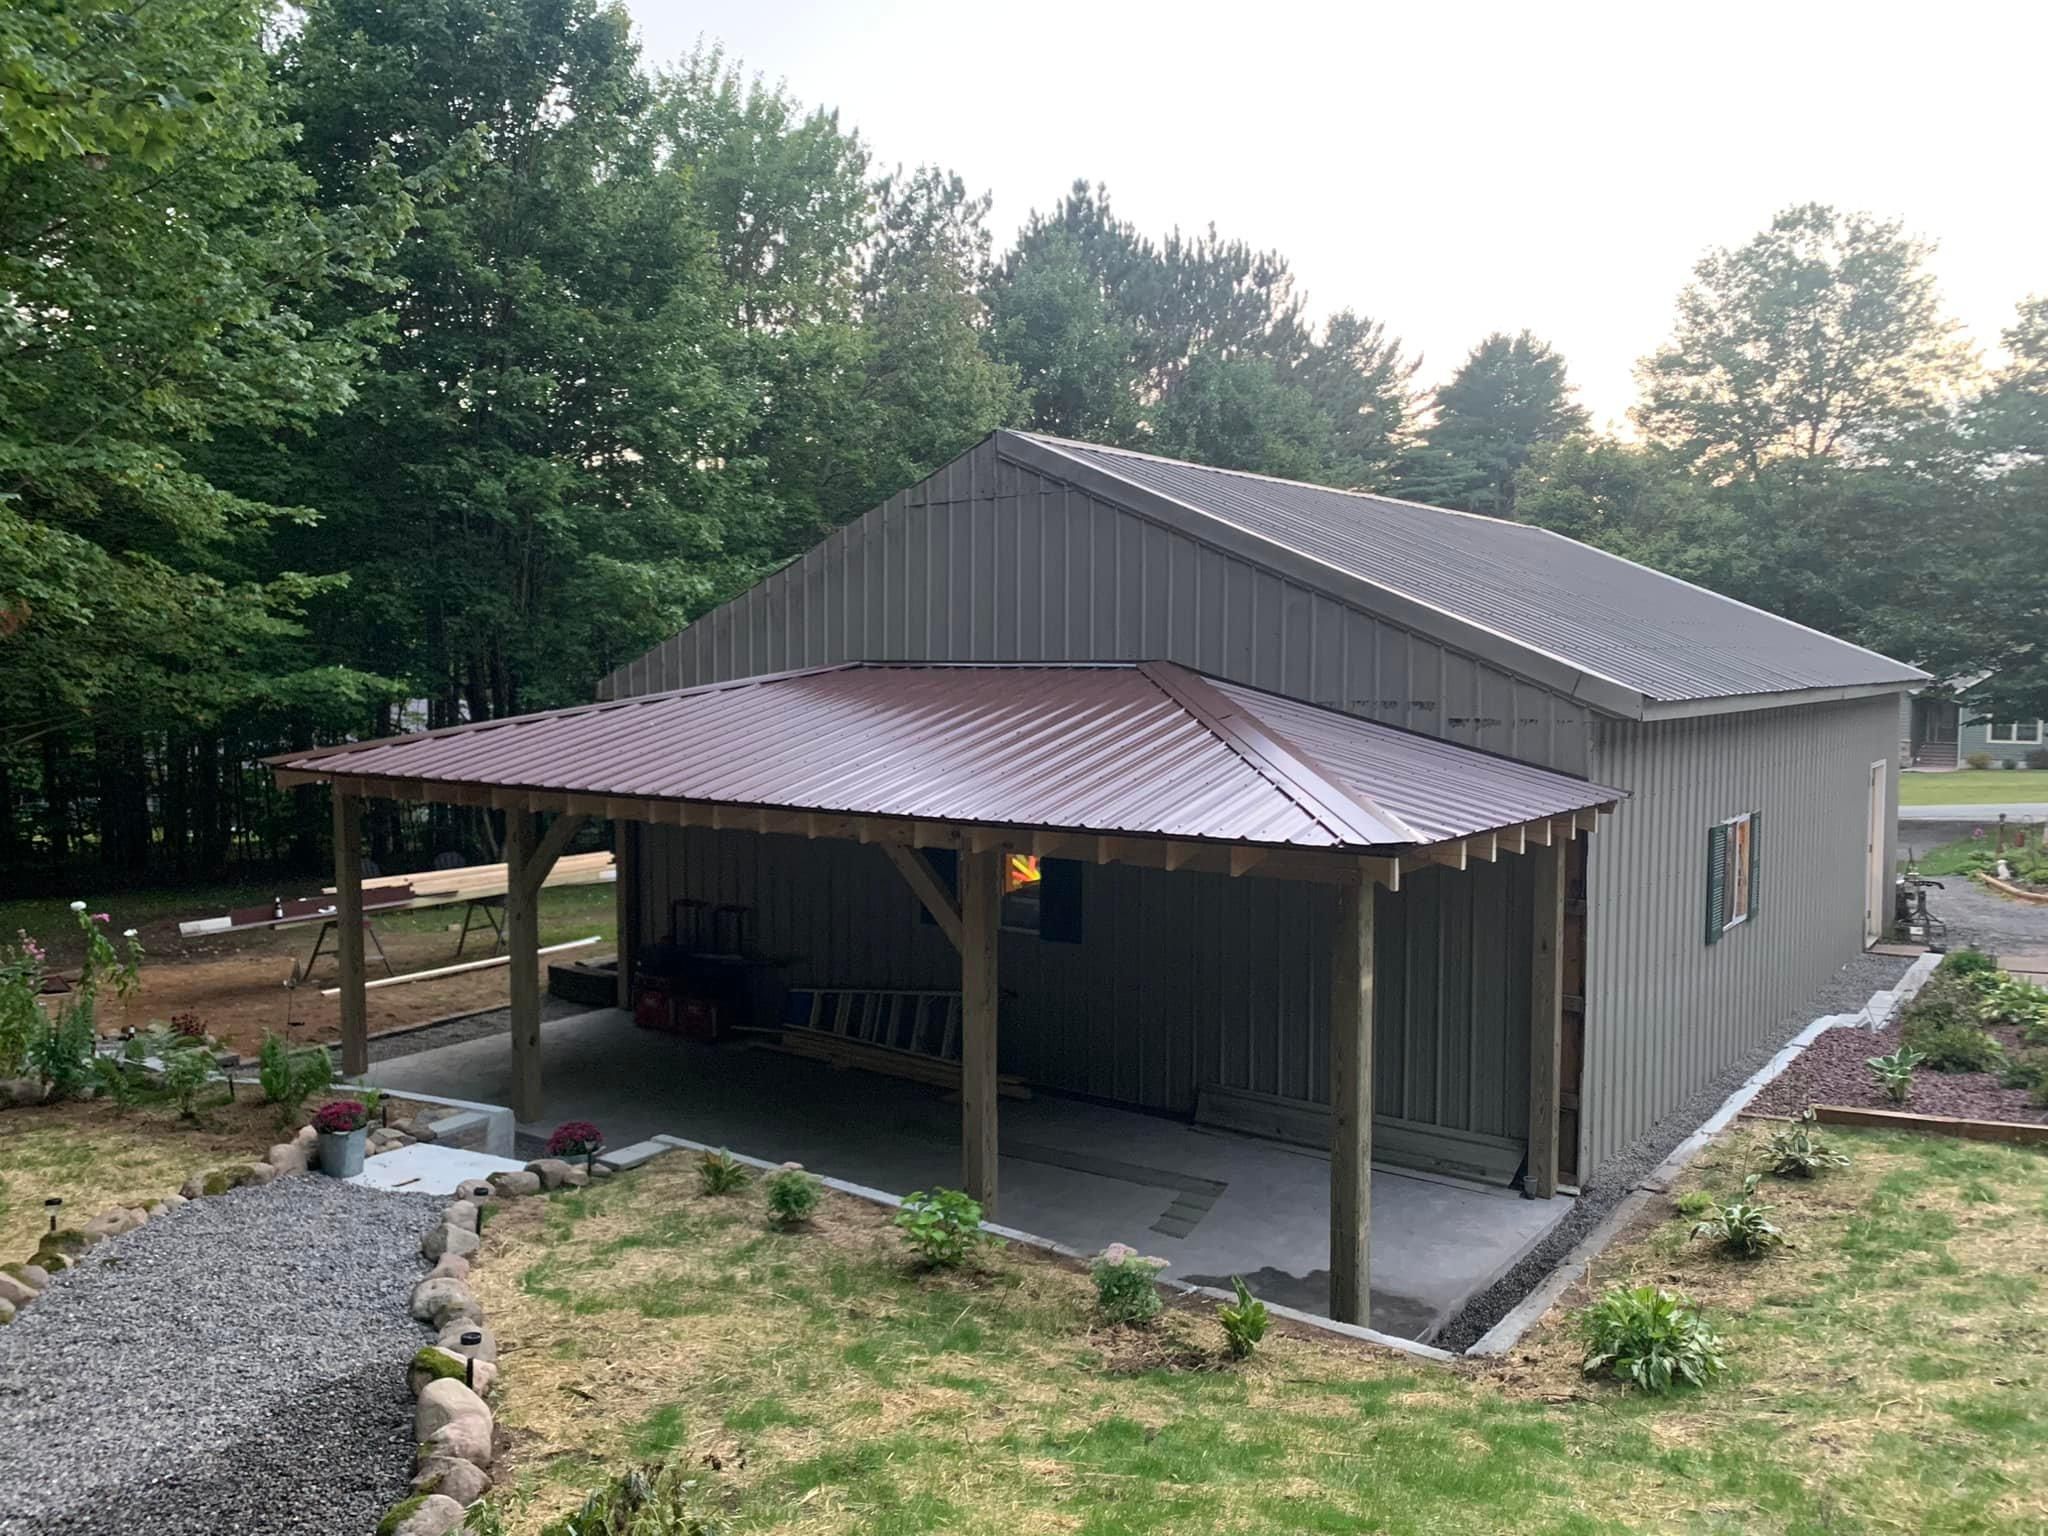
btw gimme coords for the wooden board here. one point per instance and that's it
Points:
(2016, 1132)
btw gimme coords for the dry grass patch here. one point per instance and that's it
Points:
(95, 1155)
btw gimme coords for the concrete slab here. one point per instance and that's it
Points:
(1084, 1175)
(633, 1156)
(428, 1168)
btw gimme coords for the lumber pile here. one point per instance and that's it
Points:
(477, 882)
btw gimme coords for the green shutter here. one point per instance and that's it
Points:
(1717, 882)
(1756, 857)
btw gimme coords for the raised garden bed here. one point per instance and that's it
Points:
(1832, 1071)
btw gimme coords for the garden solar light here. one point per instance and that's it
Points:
(53, 1205)
(470, 1340)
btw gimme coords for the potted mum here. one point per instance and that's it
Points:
(577, 1138)
(343, 1127)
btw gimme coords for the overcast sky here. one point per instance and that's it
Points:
(1455, 169)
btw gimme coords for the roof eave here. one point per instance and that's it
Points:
(1490, 645)
(1742, 703)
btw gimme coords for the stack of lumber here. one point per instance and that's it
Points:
(478, 882)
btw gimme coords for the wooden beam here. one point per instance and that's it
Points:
(1546, 1021)
(1485, 846)
(981, 901)
(1351, 1022)
(1450, 855)
(1513, 839)
(919, 875)
(522, 943)
(560, 833)
(1243, 860)
(348, 932)
(1385, 872)
(1538, 832)
(626, 837)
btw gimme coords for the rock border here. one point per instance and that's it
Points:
(452, 1379)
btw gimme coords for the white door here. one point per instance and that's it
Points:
(1876, 878)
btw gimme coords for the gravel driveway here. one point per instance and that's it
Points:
(1983, 919)
(234, 1368)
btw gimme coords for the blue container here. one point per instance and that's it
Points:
(341, 1152)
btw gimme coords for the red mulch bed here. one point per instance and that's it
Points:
(1832, 1071)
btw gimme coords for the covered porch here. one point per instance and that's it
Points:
(950, 771)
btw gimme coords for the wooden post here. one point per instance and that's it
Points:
(348, 932)
(1351, 1004)
(1546, 1018)
(626, 837)
(981, 902)
(522, 943)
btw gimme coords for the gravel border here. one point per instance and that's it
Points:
(1845, 992)
(236, 1365)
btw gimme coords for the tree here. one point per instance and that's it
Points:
(1820, 340)
(1239, 413)
(1509, 395)
(1051, 322)
(1360, 379)
(169, 277)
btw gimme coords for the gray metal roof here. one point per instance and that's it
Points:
(1653, 635)
(1134, 748)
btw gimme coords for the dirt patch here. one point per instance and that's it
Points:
(1832, 1071)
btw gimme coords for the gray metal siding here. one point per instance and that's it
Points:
(1667, 1012)
(986, 561)
(1181, 979)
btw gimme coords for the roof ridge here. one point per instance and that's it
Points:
(1293, 771)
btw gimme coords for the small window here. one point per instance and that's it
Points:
(1732, 859)
(1023, 884)
(2014, 733)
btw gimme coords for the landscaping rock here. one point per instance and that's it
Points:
(453, 1266)
(112, 1223)
(53, 1261)
(168, 1203)
(440, 1301)
(259, 1173)
(307, 1137)
(6, 1313)
(34, 1276)
(434, 1514)
(221, 1180)
(65, 1240)
(431, 1363)
(417, 1129)
(455, 1420)
(462, 1213)
(473, 1190)
(288, 1157)
(15, 1293)
(515, 1182)
(20, 1090)
(446, 1239)
(462, 1481)
(553, 1172)
(451, 1338)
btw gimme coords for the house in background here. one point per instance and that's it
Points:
(1946, 732)
(1414, 836)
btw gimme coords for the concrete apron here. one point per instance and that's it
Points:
(1079, 1176)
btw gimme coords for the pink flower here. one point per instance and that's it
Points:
(1978, 834)
(101, 917)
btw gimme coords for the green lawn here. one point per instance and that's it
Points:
(1975, 786)
(1890, 1373)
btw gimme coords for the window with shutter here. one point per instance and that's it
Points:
(1731, 874)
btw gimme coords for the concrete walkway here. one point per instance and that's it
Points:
(1081, 1174)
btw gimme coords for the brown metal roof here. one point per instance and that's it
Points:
(1131, 749)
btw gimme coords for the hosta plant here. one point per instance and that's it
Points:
(1799, 1151)
(1743, 1226)
(1894, 1073)
(1244, 1320)
(1650, 1338)
(942, 1226)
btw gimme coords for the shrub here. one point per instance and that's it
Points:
(1965, 962)
(341, 1117)
(2038, 758)
(2008, 1000)
(289, 1075)
(1244, 1320)
(186, 1074)
(57, 1045)
(1126, 1285)
(1953, 1047)
(575, 1138)
(720, 1173)
(2028, 1070)
(1743, 1226)
(188, 1026)
(1894, 1073)
(1799, 1151)
(792, 1195)
(942, 1226)
(1977, 760)
(1650, 1338)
